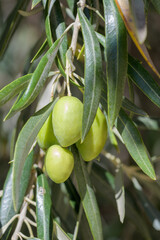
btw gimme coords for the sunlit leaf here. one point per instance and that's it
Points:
(134, 143)
(93, 74)
(125, 12)
(43, 208)
(87, 197)
(24, 143)
(116, 58)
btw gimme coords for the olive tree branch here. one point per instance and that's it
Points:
(24, 208)
(76, 30)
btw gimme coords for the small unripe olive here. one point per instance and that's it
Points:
(95, 139)
(46, 137)
(59, 163)
(67, 120)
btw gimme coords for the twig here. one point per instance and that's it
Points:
(22, 216)
(76, 30)
(115, 160)
(22, 235)
(4, 228)
(32, 212)
(31, 222)
(29, 227)
(30, 201)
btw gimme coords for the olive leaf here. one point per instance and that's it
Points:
(24, 143)
(93, 74)
(43, 208)
(143, 80)
(134, 143)
(37, 81)
(116, 58)
(14, 88)
(87, 196)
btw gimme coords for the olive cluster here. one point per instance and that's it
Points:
(62, 129)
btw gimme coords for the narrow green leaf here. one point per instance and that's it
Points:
(143, 80)
(93, 74)
(14, 88)
(37, 81)
(129, 106)
(152, 213)
(59, 232)
(156, 4)
(24, 143)
(116, 58)
(101, 39)
(10, 25)
(40, 51)
(12, 142)
(48, 31)
(119, 193)
(134, 143)
(87, 197)
(34, 3)
(58, 27)
(43, 208)
(6, 206)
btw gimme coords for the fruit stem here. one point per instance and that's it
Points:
(67, 76)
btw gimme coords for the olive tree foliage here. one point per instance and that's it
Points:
(83, 51)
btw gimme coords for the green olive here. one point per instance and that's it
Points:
(59, 163)
(67, 120)
(46, 137)
(95, 139)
